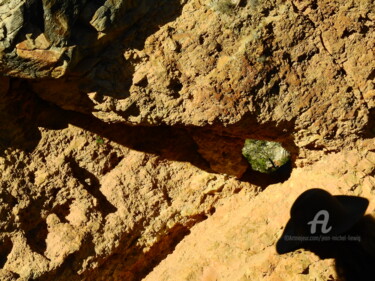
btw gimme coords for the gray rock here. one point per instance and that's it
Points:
(73, 30)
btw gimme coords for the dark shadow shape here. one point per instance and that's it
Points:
(263, 180)
(242, 3)
(249, 128)
(132, 110)
(62, 211)
(8, 202)
(147, 262)
(159, 251)
(166, 11)
(34, 225)
(16, 111)
(6, 246)
(369, 130)
(102, 62)
(135, 264)
(33, 15)
(36, 237)
(170, 143)
(332, 227)
(60, 273)
(92, 185)
(21, 113)
(354, 260)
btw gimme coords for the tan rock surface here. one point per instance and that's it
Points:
(290, 71)
(122, 124)
(79, 204)
(238, 241)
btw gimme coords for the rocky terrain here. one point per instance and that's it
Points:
(123, 123)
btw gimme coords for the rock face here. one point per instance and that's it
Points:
(123, 123)
(238, 241)
(292, 71)
(71, 209)
(43, 39)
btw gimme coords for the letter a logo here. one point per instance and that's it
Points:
(323, 222)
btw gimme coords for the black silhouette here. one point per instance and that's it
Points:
(344, 234)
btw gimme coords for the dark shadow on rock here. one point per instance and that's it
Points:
(21, 113)
(62, 210)
(16, 113)
(168, 142)
(34, 226)
(369, 130)
(36, 237)
(92, 185)
(104, 68)
(8, 201)
(133, 263)
(332, 227)
(263, 180)
(166, 11)
(158, 252)
(6, 246)
(354, 260)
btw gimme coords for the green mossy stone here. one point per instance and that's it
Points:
(265, 156)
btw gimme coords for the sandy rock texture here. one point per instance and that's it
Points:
(293, 71)
(83, 207)
(238, 241)
(122, 124)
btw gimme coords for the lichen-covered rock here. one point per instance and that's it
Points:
(265, 156)
(122, 124)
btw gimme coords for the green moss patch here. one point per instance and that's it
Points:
(265, 156)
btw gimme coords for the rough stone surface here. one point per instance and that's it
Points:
(238, 241)
(292, 71)
(76, 207)
(45, 39)
(122, 124)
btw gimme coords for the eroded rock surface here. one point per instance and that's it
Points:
(292, 71)
(76, 206)
(238, 241)
(122, 124)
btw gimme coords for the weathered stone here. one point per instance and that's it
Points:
(238, 241)
(102, 199)
(122, 124)
(225, 156)
(72, 30)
